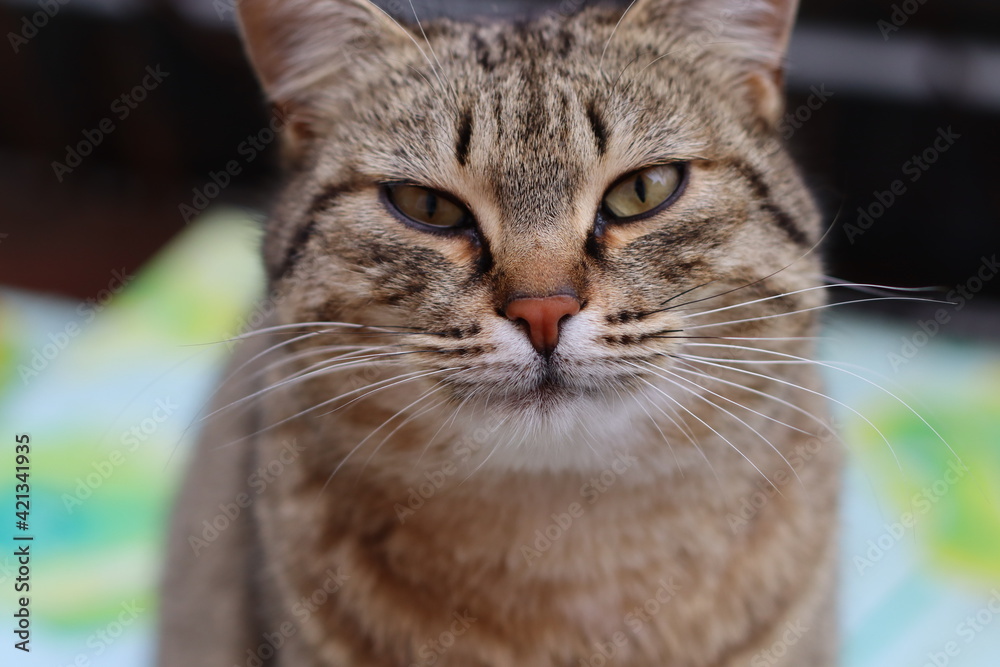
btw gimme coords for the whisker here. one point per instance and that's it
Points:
(686, 430)
(299, 376)
(368, 389)
(346, 458)
(800, 291)
(729, 400)
(413, 39)
(875, 289)
(836, 367)
(779, 338)
(719, 407)
(353, 361)
(691, 369)
(806, 310)
(705, 360)
(278, 328)
(417, 415)
(709, 427)
(444, 424)
(808, 252)
(600, 65)
(349, 352)
(430, 48)
(656, 424)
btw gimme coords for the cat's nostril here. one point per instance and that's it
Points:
(542, 317)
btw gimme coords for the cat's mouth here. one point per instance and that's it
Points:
(548, 384)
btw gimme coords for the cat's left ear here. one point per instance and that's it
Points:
(307, 52)
(753, 34)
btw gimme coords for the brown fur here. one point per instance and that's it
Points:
(527, 124)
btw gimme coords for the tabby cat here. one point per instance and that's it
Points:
(530, 393)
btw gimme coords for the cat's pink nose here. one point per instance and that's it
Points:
(542, 316)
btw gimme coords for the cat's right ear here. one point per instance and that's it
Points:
(304, 51)
(752, 34)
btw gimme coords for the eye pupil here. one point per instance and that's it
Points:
(423, 206)
(644, 191)
(640, 188)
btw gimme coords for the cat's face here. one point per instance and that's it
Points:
(542, 209)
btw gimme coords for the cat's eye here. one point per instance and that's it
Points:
(426, 207)
(643, 191)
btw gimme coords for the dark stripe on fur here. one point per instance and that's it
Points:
(325, 198)
(293, 253)
(464, 137)
(763, 192)
(599, 129)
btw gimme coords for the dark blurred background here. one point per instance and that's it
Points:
(871, 85)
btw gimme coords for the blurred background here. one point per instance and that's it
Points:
(118, 123)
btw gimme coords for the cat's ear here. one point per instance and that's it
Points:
(305, 50)
(754, 34)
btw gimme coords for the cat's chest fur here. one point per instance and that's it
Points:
(538, 570)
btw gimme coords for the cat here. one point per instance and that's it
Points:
(515, 405)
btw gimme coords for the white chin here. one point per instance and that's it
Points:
(562, 431)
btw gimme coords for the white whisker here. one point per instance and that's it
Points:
(368, 389)
(836, 367)
(690, 369)
(600, 65)
(709, 361)
(724, 410)
(808, 289)
(804, 310)
(703, 422)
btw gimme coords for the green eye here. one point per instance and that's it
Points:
(642, 191)
(426, 206)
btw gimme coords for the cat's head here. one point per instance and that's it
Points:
(539, 209)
